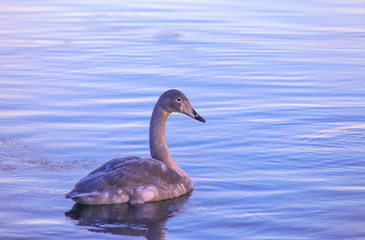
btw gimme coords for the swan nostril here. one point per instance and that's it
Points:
(198, 117)
(195, 113)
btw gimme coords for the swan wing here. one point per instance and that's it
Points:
(126, 174)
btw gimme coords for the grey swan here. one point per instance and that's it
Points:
(138, 180)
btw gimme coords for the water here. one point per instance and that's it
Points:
(280, 83)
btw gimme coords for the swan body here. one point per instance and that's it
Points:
(139, 180)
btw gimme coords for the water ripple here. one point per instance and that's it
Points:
(281, 155)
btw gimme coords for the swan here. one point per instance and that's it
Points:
(137, 180)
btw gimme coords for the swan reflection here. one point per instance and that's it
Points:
(147, 220)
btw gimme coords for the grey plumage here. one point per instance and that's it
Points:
(136, 180)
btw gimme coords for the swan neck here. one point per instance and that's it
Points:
(158, 145)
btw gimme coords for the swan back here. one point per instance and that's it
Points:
(130, 179)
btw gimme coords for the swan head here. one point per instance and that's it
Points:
(175, 101)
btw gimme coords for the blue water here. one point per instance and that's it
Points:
(280, 83)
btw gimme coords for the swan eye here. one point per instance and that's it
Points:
(179, 100)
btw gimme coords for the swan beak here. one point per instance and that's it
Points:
(196, 116)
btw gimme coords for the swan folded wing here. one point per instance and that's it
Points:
(126, 174)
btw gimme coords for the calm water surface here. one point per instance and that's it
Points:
(281, 84)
